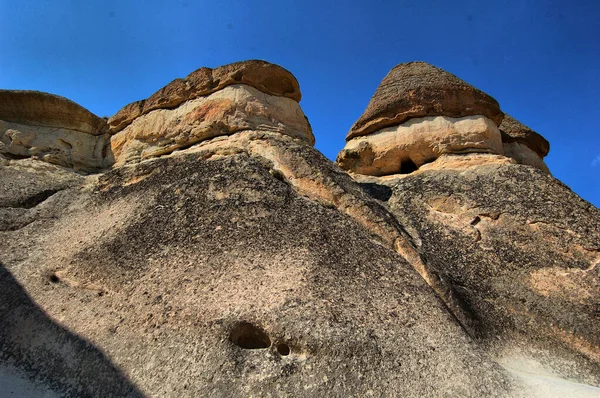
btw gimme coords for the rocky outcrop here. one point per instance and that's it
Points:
(518, 253)
(266, 77)
(40, 109)
(418, 89)
(234, 108)
(249, 95)
(222, 255)
(50, 128)
(418, 113)
(228, 270)
(523, 144)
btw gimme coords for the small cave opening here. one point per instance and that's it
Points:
(407, 166)
(283, 349)
(249, 336)
(52, 277)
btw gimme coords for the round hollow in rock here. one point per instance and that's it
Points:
(249, 336)
(283, 349)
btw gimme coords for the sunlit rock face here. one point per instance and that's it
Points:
(523, 144)
(420, 112)
(215, 252)
(232, 109)
(405, 147)
(50, 128)
(266, 77)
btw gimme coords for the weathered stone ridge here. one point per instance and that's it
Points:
(215, 252)
(269, 78)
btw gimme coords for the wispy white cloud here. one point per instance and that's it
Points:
(596, 161)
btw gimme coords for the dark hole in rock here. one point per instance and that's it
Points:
(475, 220)
(246, 335)
(54, 278)
(283, 349)
(377, 191)
(407, 166)
(278, 175)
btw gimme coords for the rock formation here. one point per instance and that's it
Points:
(215, 252)
(420, 112)
(523, 144)
(51, 128)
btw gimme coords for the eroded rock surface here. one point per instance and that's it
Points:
(405, 147)
(418, 89)
(222, 255)
(518, 253)
(269, 78)
(223, 270)
(50, 128)
(523, 144)
(234, 108)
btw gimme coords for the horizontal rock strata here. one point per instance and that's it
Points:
(418, 89)
(523, 144)
(64, 147)
(404, 147)
(50, 128)
(264, 76)
(234, 108)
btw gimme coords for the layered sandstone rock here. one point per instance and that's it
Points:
(523, 144)
(405, 147)
(232, 109)
(418, 89)
(264, 76)
(48, 110)
(51, 128)
(417, 114)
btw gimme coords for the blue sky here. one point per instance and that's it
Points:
(539, 59)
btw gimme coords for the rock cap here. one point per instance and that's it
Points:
(419, 89)
(47, 110)
(264, 76)
(514, 131)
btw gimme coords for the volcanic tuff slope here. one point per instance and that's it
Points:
(210, 250)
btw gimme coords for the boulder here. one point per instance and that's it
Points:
(232, 109)
(405, 147)
(418, 89)
(264, 76)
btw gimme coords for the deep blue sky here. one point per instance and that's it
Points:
(539, 59)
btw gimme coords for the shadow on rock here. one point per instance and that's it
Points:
(33, 346)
